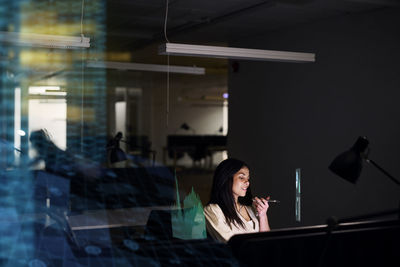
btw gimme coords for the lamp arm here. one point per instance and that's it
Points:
(370, 161)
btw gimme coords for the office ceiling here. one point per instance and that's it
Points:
(137, 25)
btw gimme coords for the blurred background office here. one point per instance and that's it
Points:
(138, 130)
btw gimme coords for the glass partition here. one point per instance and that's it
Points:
(88, 177)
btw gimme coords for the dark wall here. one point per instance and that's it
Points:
(284, 116)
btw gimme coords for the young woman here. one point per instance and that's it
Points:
(231, 209)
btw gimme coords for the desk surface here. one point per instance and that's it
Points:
(97, 219)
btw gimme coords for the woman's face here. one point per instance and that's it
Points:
(241, 181)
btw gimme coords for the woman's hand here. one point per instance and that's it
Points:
(261, 205)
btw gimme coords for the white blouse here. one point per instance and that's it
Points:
(219, 229)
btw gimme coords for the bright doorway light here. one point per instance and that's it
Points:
(48, 110)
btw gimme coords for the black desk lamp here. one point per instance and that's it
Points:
(186, 127)
(116, 153)
(348, 164)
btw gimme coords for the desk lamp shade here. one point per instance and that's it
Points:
(185, 126)
(348, 164)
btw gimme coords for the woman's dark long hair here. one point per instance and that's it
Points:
(221, 191)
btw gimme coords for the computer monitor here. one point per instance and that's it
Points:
(351, 244)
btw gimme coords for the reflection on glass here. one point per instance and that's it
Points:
(188, 222)
(61, 202)
(298, 195)
(52, 115)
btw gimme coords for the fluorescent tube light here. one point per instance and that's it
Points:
(233, 53)
(145, 67)
(44, 40)
(46, 90)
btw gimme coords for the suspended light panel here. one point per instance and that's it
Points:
(176, 49)
(145, 67)
(44, 40)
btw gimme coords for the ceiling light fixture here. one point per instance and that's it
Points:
(44, 40)
(46, 90)
(176, 49)
(145, 67)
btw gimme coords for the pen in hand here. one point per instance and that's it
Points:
(269, 201)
